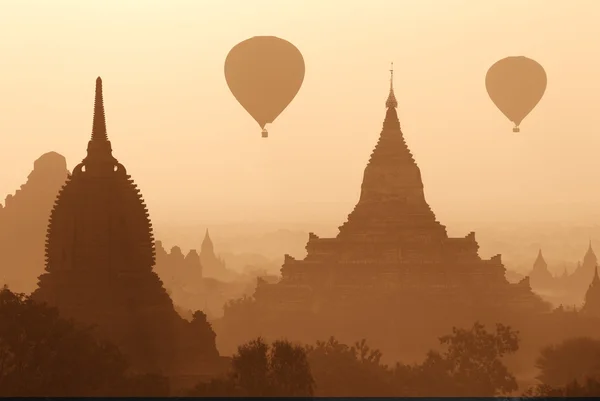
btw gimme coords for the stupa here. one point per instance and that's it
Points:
(99, 265)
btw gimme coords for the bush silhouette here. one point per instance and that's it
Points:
(262, 370)
(340, 370)
(573, 360)
(471, 365)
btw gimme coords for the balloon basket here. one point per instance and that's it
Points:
(516, 129)
(265, 133)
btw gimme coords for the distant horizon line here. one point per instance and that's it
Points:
(335, 223)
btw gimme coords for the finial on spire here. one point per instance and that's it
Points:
(391, 100)
(99, 125)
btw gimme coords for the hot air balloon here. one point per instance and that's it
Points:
(264, 73)
(516, 85)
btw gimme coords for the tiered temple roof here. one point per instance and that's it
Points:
(100, 257)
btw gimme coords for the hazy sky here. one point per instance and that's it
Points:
(197, 156)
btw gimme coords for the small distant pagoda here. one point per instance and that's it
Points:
(213, 265)
(540, 275)
(592, 297)
(392, 254)
(99, 271)
(579, 280)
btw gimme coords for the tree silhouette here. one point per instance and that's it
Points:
(262, 370)
(574, 359)
(340, 370)
(470, 366)
(42, 354)
(250, 368)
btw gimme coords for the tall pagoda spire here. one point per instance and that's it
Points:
(392, 201)
(99, 125)
(99, 159)
(391, 101)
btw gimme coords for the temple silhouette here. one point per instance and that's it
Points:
(99, 267)
(213, 265)
(591, 304)
(177, 270)
(392, 238)
(585, 271)
(566, 289)
(23, 222)
(540, 275)
(391, 266)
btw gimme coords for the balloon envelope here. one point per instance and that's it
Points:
(516, 85)
(264, 73)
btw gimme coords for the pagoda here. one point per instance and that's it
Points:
(540, 276)
(584, 273)
(99, 265)
(213, 265)
(592, 297)
(392, 255)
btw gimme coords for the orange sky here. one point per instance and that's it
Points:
(198, 157)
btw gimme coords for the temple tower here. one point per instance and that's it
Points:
(592, 296)
(540, 275)
(212, 265)
(584, 273)
(590, 258)
(391, 266)
(392, 203)
(100, 257)
(207, 246)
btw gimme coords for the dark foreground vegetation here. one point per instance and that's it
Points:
(42, 354)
